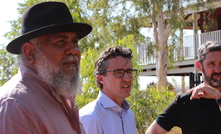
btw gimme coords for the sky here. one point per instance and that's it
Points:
(8, 11)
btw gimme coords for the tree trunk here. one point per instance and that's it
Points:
(161, 69)
(161, 65)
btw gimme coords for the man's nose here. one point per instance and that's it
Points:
(126, 76)
(218, 69)
(72, 48)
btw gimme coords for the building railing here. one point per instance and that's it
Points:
(188, 46)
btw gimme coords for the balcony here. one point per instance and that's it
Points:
(181, 68)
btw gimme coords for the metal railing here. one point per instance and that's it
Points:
(187, 47)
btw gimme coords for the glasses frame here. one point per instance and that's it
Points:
(133, 70)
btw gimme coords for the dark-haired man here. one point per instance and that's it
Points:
(202, 115)
(110, 113)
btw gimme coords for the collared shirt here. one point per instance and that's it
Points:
(104, 116)
(29, 106)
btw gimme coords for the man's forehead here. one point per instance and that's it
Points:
(124, 61)
(213, 56)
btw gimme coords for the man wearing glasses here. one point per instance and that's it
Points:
(110, 113)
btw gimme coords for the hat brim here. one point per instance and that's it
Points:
(81, 29)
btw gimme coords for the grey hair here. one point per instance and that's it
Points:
(207, 47)
(22, 59)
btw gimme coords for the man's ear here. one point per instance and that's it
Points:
(198, 65)
(28, 50)
(100, 78)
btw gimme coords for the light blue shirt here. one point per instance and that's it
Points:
(104, 116)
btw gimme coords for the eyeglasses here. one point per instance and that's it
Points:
(119, 73)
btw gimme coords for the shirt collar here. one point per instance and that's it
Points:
(109, 103)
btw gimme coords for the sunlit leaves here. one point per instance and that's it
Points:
(8, 67)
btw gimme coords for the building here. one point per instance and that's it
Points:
(195, 20)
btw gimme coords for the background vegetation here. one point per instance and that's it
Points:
(115, 22)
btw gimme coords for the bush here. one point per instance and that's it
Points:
(147, 104)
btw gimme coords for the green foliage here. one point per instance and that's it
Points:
(154, 85)
(147, 104)
(112, 21)
(209, 24)
(115, 22)
(129, 41)
(174, 50)
(7, 66)
(89, 89)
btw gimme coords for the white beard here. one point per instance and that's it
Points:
(64, 84)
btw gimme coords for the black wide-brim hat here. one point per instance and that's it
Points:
(46, 18)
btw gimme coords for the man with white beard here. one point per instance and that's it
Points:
(39, 99)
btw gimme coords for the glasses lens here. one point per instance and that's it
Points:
(119, 73)
(132, 73)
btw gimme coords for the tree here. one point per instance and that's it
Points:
(167, 16)
(89, 89)
(8, 67)
(118, 22)
(115, 19)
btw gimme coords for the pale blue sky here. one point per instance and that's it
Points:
(8, 11)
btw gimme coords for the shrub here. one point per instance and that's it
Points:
(147, 104)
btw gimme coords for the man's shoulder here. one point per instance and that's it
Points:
(197, 111)
(17, 86)
(91, 112)
(185, 99)
(11, 87)
(89, 109)
(21, 91)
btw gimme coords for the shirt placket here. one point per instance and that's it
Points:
(72, 112)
